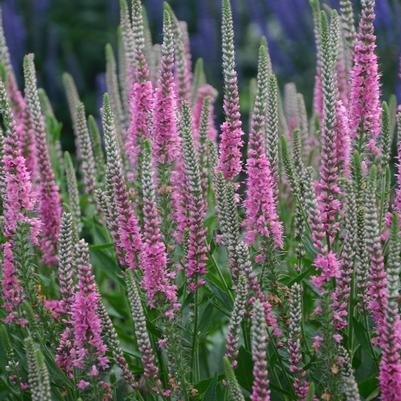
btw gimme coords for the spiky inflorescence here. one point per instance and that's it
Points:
(166, 142)
(234, 328)
(233, 387)
(97, 147)
(203, 130)
(378, 279)
(386, 137)
(272, 130)
(89, 352)
(126, 229)
(390, 364)
(128, 42)
(88, 169)
(365, 86)
(255, 291)
(347, 19)
(141, 92)
(301, 386)
(114, 90)
(343, 140)
(328, 189)
(141, 333)
(156, 279)
(231, 131)
(50, 203)
(228, 220)
(397, 200)
(205, 91)
(261, 210)
(291, 107)
(197, 250)
(18, 205)
(66, 262)
(361, 256)
(38, 375)
(113, 344)
(183, 66)
(260, 386)
(73, 192)
(349, 385)
(342, 293)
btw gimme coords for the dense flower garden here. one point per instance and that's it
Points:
(174, 258)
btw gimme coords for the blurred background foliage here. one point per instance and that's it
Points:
(70, 35)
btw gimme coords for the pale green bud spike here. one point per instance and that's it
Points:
(73, 193)
(234, 388)
(141, 332)
(123, 72)
(199, 78)
(38, 375)
(317, 28)
(184, 84)
(272, 127)
(393, 268)
(47, 108)
(128, 40)
(386, 136)
(113, 90)
(138, 28)
(87, 160)
(349, 384)
(4, 52)
(72, 95)
(97, 147)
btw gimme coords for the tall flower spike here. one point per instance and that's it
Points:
(260, 386)
(50, 204)
(88, 169)
(183, 69)
(291, 107)
(205, 91)
(378, 279)
(72, 96)
(97, 147)
(350, 386)
(126, 229)
(328, 189)
(234, 327)
(128, 44)
(231, 131)
(233, 387)
(89, 352)
(390, 364)
(141, 333)
(114, 93)
(301, 386)
(138, 27)
(245, 266)
(397, 200)
(113, 344)
(66, 262)
(38, 375)
(166, 143)
(341, 296)
(156, 278)
(365, 86)
(261, 213)
(386, 138)
(347, 20)
(73, 193)
(141, 92)
(272, 130)
(343, 140)
(197, 250)
(18, 205)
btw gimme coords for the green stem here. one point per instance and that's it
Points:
(195, 377)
